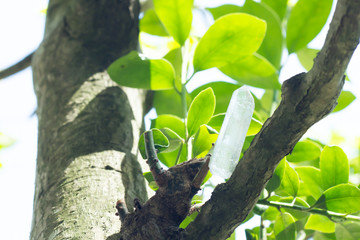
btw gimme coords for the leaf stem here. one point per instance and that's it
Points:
(179, 153)
(184, 69)
(333, 216)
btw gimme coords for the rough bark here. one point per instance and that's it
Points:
(306, 98)
(88, 126)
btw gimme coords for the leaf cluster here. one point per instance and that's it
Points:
(310, 194)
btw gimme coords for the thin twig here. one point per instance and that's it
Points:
(152, 159)
(17, 67)
(331, 215)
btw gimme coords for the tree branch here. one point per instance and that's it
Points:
(152, 160)
(306, 98)
(17, 67)
(318, 211)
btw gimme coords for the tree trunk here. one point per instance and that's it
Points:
(88, 126)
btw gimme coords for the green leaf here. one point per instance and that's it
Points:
(354, 163)
(231, 37)
(275, 180)
(169, 158)
(174, 139)
(271, 213)
(272, 46)
(201, 110)
(306, 20)
(170, 121)
(150, 179)
(251, 235)
(311, 181)
(254, 127)
(223, 10)
(298, 202)
(344, 100)
(342, 198)
(279, 6)
(284, 227)
(324, 236)
(222, 91)
(203, 142)
(161, 143)
(289, 183)
(306, 150)
(151, 24)
(216, 121)
(175, 58)
(188, 220)
(5, 141)
(253, 70)
(348, 231)
(169, 102)
(320, 223)
(306, 57)
(176, 15)
(334, 166)
(232, 237)
(133, 71)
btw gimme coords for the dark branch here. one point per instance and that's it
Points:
(306, 98)
(200, 176)
(152, 160)
(17, 67)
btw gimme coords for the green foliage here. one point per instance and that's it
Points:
(289, 183)
(160, 141)
(151, 24)
(310, 194)
(5, 141)
(320, 223)
(133, 71)
(168, 102)
(311, 182)
(342, 198)
(230, 38)
(306, 57)
(203, 141)
(334, 167)
(304, 14)
(344, 100)
(176, 16)
(279, 6)
(222, 92)
(284, 227)
(304, 151)
(253, 70)
(201, 110)
(275, 181)
(348, 231)
(272, 46)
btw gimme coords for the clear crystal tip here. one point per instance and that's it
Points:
(232, 133)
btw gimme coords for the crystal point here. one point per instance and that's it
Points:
(232, 134)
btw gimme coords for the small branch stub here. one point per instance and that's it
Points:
(200, 176)
(121, 210)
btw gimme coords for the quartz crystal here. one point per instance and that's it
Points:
(232, 134)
